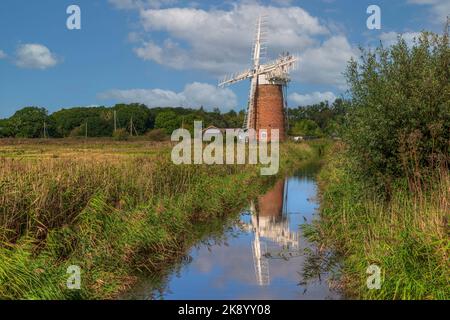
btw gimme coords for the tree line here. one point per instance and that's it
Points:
(322, 119)
(36, 122)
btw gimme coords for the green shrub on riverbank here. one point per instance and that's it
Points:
(386, 189)
(399, 116)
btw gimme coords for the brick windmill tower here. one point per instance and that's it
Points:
(267, 102)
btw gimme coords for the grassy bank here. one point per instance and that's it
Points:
(407, 236)
(111, 209)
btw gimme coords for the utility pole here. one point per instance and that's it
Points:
(286, 108)
(45, 130)
(86, 132)
(131, 126)
(447, 25)
(115, 120)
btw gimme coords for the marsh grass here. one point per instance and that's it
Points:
(111, 215)
(407, 236)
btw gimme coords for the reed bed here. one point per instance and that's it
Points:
(112, 217)
(407, 236)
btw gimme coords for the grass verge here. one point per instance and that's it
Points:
(406, 237)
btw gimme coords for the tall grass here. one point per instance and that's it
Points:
(112, 217)
(407, 236)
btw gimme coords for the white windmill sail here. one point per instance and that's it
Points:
(272, 72)
(250, 115)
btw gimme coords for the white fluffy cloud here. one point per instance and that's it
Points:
(439, 9)
(35, 56)
(2, 54)
(326, 64)
(390, 38)
(194, 95)
(311, 98)
(220, 41)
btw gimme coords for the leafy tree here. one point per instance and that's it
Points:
(29, 123)
(70, 121)
(329, 118)
(169, 121)
(306, 127)
(231, 119)
(400, 110)
(187, 121)
(5, 128)
(140, 115)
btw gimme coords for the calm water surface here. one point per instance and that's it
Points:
(261, 256)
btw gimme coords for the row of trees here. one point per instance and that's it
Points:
(318, 120)
(34, 122)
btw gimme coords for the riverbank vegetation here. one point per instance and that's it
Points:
(386, 187)
(113, 209)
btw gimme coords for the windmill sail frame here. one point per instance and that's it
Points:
(273, 72)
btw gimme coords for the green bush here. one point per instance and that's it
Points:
(306, 127)
(399, 121)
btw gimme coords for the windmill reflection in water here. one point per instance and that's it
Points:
(270, 224)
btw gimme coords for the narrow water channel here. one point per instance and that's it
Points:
(263, 255)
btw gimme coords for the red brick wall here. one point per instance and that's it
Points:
(271, 204)
(270, 109)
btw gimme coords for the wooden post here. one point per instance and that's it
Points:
(131, 127)
(115, 120)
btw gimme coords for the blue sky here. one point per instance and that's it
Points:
(163, 52)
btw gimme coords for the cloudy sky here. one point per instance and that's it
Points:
(172, 52)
